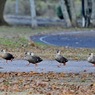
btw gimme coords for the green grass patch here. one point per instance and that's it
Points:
(12, 42)
(41, 45)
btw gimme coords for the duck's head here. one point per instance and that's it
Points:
(91, 54)
(58, 52)
(32, 54)
(27, 53)
(3, 51)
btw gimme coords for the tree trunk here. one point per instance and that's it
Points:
(93, 12)
(93, 8)
(2, 5)
(33, 14)
(86, 11)
(73, 12)
(83, 13)
(65, 13)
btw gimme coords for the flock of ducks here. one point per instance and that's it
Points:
(34, 59)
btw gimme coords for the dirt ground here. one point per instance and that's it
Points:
(48, 83)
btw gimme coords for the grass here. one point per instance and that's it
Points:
(12, 42)
(16, 37)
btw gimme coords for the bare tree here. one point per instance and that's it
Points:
(93, 11)
(84, 7)
(2, 5)
(73, 12)
(86, 11)
(33, 14)
(65, 13)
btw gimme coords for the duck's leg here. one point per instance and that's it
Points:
(64, 64)
(59, 65)
(28, 64)
(36, 65)
(11, 60)
(6, 61)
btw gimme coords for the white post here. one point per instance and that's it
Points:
(16, 7)
(83, 22)
(33, 14)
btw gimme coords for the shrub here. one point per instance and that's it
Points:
(59, 12)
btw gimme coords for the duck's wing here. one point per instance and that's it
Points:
(64, 59)
(10, 55)
(28, 58)
(37, 58)
(91, 59)
(5, 55)
(61, 59)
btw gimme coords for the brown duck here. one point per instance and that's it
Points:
(6, 56)
(59, 58)
(31, 58)
(91, 59)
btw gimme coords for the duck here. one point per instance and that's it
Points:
(32, 58)
(5, 55)
(59, 58)
(91, 58)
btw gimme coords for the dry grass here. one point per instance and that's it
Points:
(33, 83)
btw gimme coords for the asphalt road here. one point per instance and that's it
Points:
(47, 66)
(26, 20)
(79, 39)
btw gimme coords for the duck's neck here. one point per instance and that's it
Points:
(59, 53)
(27, 53)
(4, 51)
(92, 54)
(32, 54)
